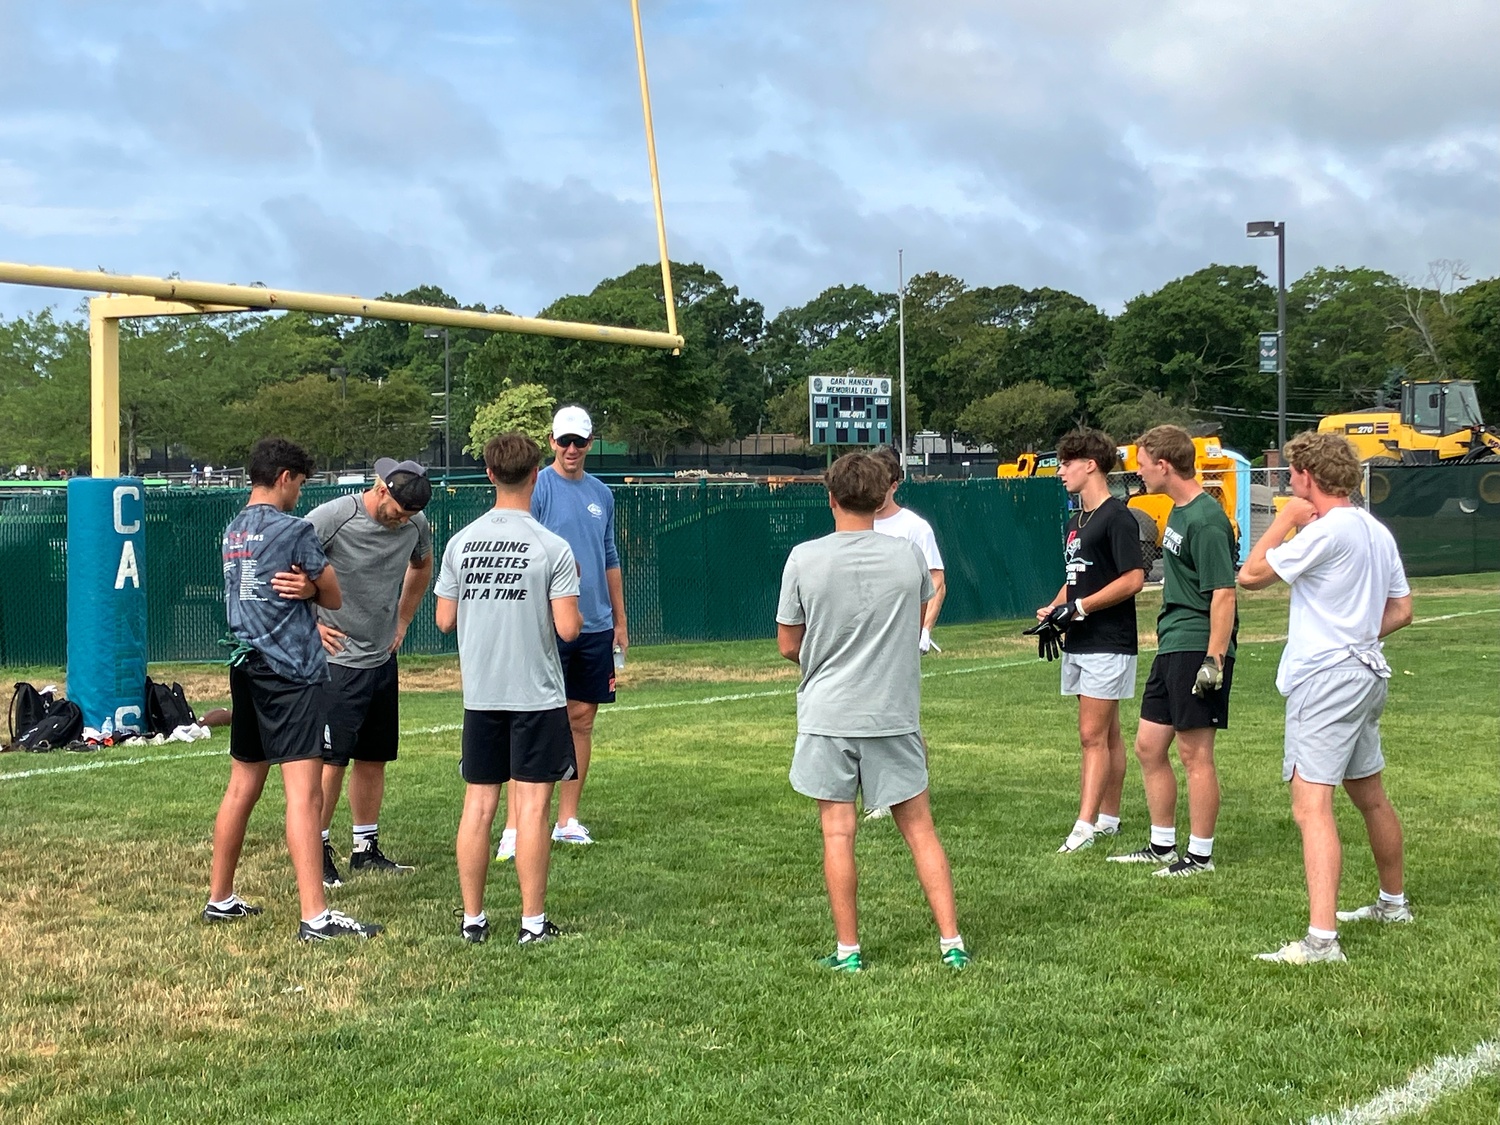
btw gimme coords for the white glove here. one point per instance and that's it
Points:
(926, 642)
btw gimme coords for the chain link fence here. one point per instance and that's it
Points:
(700, 561)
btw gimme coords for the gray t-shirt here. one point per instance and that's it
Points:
(504, 569)
(860, 594)
(370, 560)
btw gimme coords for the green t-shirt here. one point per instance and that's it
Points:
(1197, 552)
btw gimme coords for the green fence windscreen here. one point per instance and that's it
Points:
(700, 561)
(1446, 518)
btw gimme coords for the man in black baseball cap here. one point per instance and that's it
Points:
(383, 541)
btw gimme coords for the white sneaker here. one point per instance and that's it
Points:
(1304, 952)
(571, 833)
(1077, 840)
(507, 849)
(878, 814)
(1379, 911)
(1102, 831)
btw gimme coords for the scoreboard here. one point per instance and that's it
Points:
(848, 410)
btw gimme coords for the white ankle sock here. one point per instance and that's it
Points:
(1082, 826)
(1395, 900)
(1164, 837)
(1106, 821)
(325, 835)
(947, 943)
(363, 832)
(1321, 935)
(222, 903)
(1201, 846)
(536, 924)
(846, 950)
(319, 920)
(475, 919)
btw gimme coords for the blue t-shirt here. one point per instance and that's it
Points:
(258, 543)
(583, 513)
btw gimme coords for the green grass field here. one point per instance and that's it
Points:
(687, 990)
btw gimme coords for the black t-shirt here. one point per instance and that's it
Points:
(1100, 546)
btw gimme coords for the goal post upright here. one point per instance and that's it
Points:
(661, 223)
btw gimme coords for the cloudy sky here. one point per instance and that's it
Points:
(495, 147)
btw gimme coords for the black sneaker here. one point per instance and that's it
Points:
(235, 909)
(476, 934)
(371, 858)
(331, 876)
(336, 925)
(546, 933)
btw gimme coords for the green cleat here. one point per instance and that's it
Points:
(957, 959)
(849, 964)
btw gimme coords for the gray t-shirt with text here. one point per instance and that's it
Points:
(504, 569)
(370, 560)
(860, 595)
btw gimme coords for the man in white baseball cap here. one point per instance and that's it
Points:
(579, 507)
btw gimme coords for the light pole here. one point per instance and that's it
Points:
(901, 345)
(433, 334)
(1265, 229)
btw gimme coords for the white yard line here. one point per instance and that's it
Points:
(84, 767)
(1451, 616)
(614, 709)
(1445, 1075)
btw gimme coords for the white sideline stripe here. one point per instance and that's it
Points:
(1445, 1075)
(1451, 616)
(448, 728)
(84, 767)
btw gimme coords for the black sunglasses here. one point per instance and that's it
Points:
(574, 440)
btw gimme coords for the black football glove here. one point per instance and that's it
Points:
(1048, 639)
(1061, 616)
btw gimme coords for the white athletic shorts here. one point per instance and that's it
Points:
(1099, 675)
(1333, 725)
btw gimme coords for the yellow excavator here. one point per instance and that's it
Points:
(1439, 421)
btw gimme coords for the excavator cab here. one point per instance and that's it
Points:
(1440, 409)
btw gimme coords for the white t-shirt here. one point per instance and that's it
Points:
(906, 524)
(1342, 569)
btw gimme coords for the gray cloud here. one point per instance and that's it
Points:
(494, 148)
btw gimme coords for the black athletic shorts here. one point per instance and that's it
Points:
(275, 720)
(1168, 697)
(501, 746)
(588, 666)
(364, 712)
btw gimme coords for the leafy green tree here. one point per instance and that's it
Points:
(1339, 347)
(1128, 419)
(1476, 344)
(527, 407)
(1026, 416)
(839, 329)
(44, 392)
(1195, 342)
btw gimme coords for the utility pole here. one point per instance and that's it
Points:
(901, 343)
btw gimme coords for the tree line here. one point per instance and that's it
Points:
(1005, 365)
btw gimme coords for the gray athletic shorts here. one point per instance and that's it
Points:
(1099, 675)
(1333, 725)
(888, 770)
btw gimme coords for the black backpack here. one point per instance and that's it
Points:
(167, 708)
(27, 708)
(61, 725)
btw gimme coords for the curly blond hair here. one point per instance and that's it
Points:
(1329, 458)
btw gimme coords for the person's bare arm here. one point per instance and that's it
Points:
(447, 615)
(1257, 573)
(789, 641)
(565, 617)
(1220, 623)
(616, 583)
(1126, 586)
(934, 604)
(1397, 615)
(413, 587)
